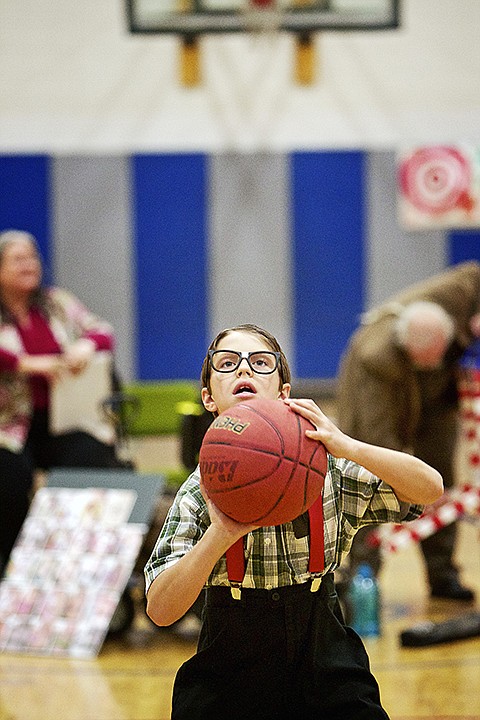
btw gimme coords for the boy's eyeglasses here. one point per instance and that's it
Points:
(264, 362)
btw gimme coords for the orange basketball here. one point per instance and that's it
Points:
(258, 466)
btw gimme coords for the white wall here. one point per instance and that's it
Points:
(73, 80)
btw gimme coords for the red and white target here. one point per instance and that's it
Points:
(437, 179)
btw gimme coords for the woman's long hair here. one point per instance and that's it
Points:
(39, 295)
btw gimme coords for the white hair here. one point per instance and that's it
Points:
(11, 235)
(419, 324)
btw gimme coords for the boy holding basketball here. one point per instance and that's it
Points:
(279, 647)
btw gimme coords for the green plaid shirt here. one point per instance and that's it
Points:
(275, 556)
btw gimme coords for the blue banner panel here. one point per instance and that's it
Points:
(463, 245)
(25, 199)
(169, 217)
(329, 244)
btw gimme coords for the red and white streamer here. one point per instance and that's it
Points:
(457, 504)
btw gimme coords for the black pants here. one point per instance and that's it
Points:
(42, 451)
(277, 655)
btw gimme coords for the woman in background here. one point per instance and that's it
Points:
(44, 333)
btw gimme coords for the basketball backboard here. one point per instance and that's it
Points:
(194, 17)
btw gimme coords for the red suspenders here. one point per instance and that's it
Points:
(236, 557)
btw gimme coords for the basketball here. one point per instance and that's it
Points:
(258, 466)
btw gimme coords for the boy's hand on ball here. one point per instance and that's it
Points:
(226, 524)
(326, 432)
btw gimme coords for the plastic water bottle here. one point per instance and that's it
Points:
(364, 602)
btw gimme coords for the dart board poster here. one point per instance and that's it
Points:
(439, 187)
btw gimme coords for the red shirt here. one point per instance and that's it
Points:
(38, 339)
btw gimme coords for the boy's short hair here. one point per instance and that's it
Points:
(270, 340)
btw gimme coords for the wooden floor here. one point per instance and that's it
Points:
(132, 677)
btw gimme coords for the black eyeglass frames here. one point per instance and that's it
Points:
(263, 362)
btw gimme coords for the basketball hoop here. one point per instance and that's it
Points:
(266, 17)
(263, 16)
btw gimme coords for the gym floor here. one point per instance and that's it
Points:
(132, 677)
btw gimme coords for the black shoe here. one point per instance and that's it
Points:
(451, 589)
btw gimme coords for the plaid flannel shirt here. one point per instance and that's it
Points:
(278, 556)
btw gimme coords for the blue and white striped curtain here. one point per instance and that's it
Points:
(171, 248)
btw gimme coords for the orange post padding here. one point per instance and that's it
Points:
(305, 59)
(190, 62)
